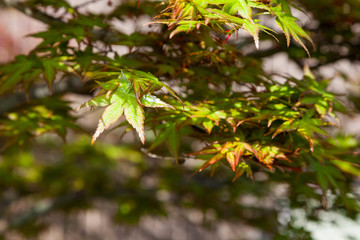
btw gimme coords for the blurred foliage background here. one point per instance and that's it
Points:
(55, 185)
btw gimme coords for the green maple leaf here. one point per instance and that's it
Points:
(119, 100)
(288, 25)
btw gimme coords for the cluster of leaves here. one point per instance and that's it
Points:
(34, 119)
(26, 70)
(129, 97)
(333, 30)
(270, 126)
(228, 16)
(230, 113)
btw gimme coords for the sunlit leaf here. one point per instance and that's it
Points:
(119, 100)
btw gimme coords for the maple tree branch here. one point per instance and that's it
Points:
(32, 12)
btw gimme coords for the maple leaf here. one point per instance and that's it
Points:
(288, 25)
(121, 100)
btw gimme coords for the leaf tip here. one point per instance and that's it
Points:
(257, 43)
